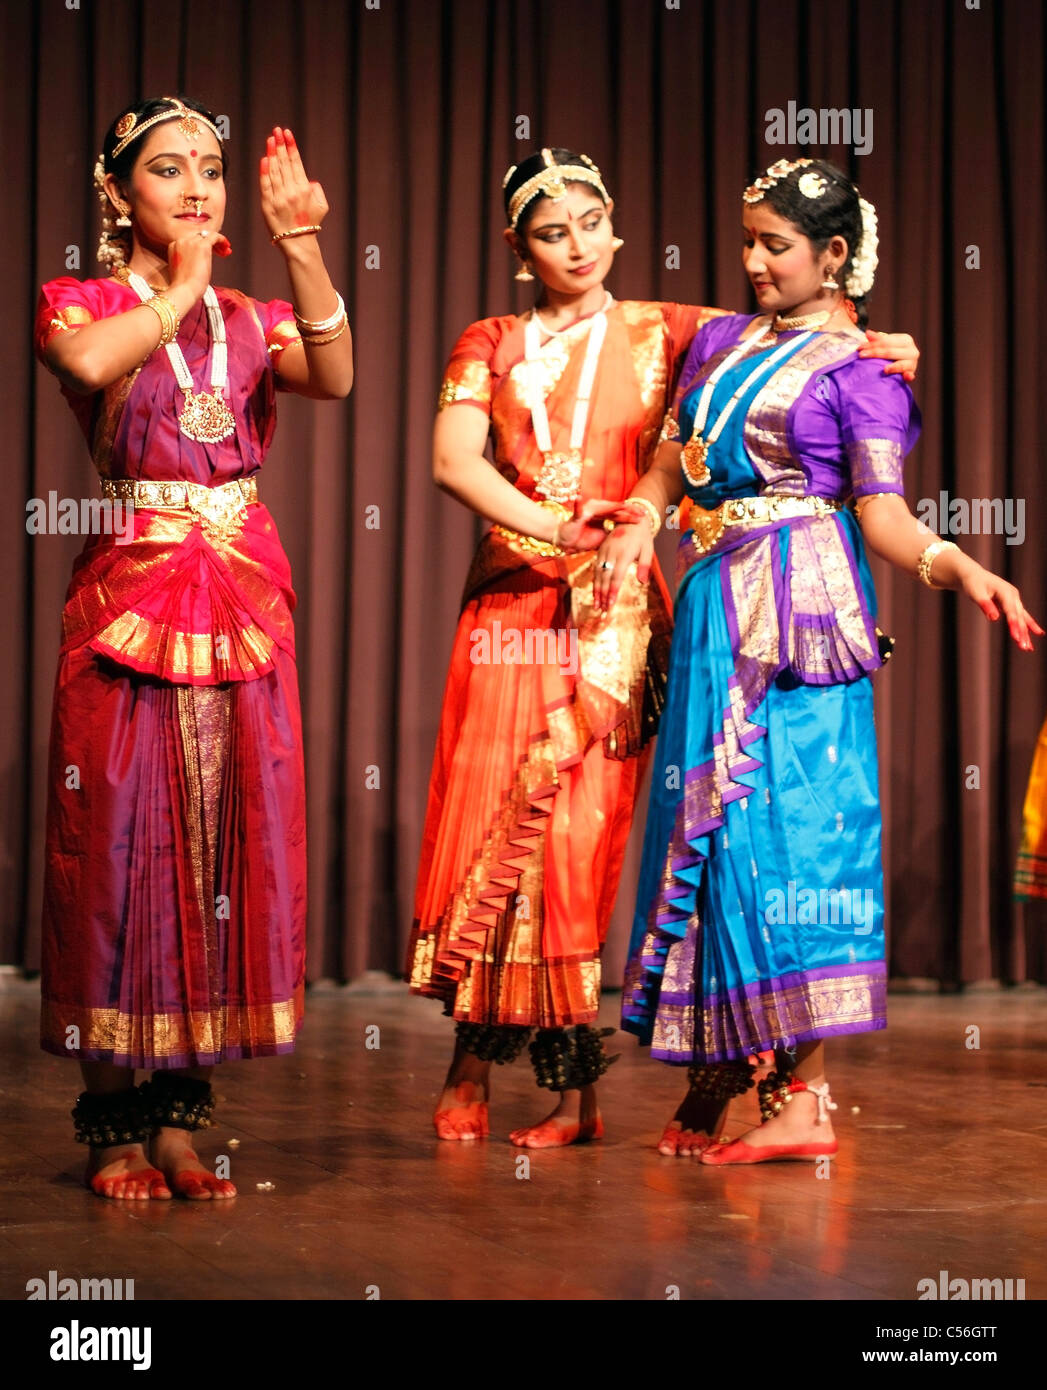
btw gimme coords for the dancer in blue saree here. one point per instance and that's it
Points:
(759, 924)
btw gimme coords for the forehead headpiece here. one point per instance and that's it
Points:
(129, 127)
(551, 182)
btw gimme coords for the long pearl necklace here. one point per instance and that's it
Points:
(205, 416)
(696, 450)
(560, 477)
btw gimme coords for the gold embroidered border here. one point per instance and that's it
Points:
(822, 584)
(765, 430)
(817, 1007)
(511, 982)
(465, 381)
(184, 1034)
(462, 931)
(876, 465)
(141, 641)
(203, 722)
(282, 335)
(649, 349)
(63, 320)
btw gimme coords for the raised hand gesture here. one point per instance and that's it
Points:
(289, 199)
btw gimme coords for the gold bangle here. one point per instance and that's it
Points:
(649, 509)
(926, 560)
(859, 502)
(168, 316)
(295, 231)
(313, 340)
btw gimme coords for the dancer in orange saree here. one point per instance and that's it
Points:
(550, 706)
(174, 891)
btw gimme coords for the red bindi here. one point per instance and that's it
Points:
(192, 153)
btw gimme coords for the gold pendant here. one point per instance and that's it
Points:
(693, 463)
(707, 526)
(560, 476)
(206, 418)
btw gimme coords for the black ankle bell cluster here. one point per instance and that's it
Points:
(115, 1118)
(492, 1043)
(720, 1081)
(178, 1102)
(565, 1059)
(131, 1116)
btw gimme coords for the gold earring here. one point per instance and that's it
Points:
(829, 283)
(617, 243)
(524, 273)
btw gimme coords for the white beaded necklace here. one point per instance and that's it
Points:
(560, 477)
(696, 450)
(205, 416)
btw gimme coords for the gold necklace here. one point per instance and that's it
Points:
(123, 274)
(786, 324)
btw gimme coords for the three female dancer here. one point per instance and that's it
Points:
(174, 900)
(759, 922)
(550, 702)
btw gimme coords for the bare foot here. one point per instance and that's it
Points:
(796, 1132)
(173, 1151)
(461, 1111)
(696, 1126)
(575, 1120)
(122, 1172)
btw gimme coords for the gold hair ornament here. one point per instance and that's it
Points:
(551, 182)
(129, 128)
(781, 169)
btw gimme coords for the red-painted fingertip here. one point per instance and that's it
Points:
(223, 246)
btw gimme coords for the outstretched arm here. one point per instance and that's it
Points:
(892, 532)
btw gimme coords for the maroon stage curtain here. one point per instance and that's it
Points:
(409, 112)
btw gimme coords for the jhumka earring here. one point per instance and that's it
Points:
(829, 283)
(123, 220)
(617, 243)
(524, 273)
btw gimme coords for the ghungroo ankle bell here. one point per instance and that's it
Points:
(565, 1059)
(115, 1118)
(778, 1089)
(720, 1081)
(490, 1042)
(775, 1092)
(177, 1102)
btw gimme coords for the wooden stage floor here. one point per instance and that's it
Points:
(943, 1151)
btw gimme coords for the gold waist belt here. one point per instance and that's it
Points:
(709, 526)
(221, 510)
